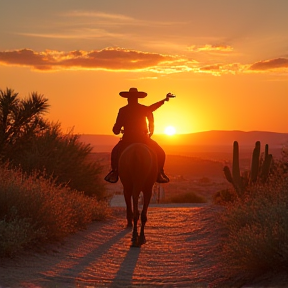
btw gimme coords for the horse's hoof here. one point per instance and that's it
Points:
(129, 225)
(135, 244)
(142, 240)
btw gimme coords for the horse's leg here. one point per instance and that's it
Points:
(129, 213)
(135, 218)
(147, 196)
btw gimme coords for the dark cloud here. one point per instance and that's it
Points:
(119, 59)
(109, 58)
(277, 63)
(24, 57)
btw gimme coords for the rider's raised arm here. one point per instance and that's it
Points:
(156, 105)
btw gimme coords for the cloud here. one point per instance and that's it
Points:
(220, 69)
(120, 59)
(105, 59)
(210, 48)
(27, 57)
(278, 63)
(93, 14)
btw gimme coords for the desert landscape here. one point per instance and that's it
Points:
(183, 239)
(206, 80)
(196, 168)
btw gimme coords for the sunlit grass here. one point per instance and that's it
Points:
(186, 197)
(34, 209)
(257, 229)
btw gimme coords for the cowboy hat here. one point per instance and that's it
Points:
(133, 92)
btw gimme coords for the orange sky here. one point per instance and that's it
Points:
(227, 61)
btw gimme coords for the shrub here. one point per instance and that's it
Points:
(188, 197)
(34, 209)
(224, 196)
(34, 144)
(64, 158)
(257, 238)
(15, 235)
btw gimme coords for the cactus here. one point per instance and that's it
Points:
(235, 180)
(266, 165)
(259, 170)
(255, 163)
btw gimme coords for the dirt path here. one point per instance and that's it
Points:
(181, 243)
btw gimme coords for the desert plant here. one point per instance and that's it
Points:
(187, 197)
(224, 196)
(34, 144)
(260, 169)
(34, 209)
(20, 119)
(65, 158)
(257, 238)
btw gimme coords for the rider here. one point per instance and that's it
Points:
(133, 118)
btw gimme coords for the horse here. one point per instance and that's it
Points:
(138, 172)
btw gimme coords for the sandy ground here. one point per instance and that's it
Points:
(181, 244)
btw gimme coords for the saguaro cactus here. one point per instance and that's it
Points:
(266, 164)
(259, 169)
(236, 179)
(255, 162)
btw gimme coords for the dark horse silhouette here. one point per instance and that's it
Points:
(138, 172)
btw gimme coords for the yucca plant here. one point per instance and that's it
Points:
(20, 120)
(29, 141)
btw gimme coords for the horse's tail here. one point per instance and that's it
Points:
(141, 167)
(136, 166)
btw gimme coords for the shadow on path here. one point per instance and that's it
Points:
(68, 274)
(126, 270)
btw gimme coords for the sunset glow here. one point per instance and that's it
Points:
(170, 130)
(226, 61)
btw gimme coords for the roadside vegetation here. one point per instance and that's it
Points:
(256, 222)
(48, 186)
(185, 197)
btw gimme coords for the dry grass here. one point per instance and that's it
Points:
(186, 197)
(257, 238)
(33, 209)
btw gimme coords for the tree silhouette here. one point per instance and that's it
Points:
(36, 145)
(20, 119)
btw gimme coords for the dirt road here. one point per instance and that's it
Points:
(180, 249)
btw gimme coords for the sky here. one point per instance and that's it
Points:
(226, 61)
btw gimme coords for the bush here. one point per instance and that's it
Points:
(188, 197)
(15, 235)
(224, 196)
(64, 158)
(34, 209)
(34, 144)
(257, 238)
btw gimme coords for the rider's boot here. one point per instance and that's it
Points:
(162, 177)
(112, 176)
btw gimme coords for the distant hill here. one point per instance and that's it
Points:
(223, 138)
(104, 143)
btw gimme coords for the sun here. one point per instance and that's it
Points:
(170, 130)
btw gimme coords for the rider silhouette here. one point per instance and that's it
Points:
(132, 122)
